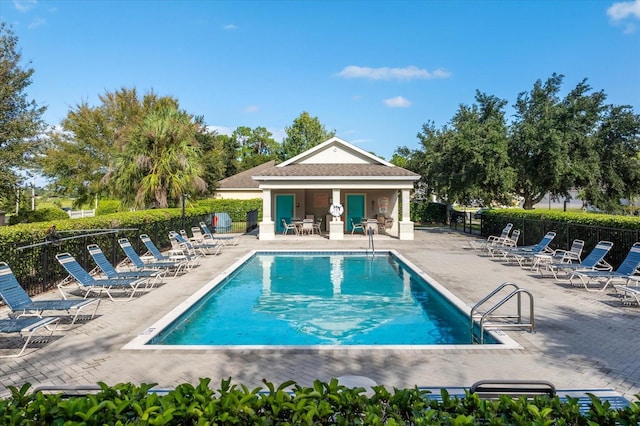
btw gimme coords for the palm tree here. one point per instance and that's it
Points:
(160, 161)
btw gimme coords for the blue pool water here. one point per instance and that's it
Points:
(320, 299)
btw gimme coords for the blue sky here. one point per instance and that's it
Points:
(374, 71)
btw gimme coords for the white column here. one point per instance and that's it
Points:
(406, 226)
(266, 205)
(267, 226)
(406, 203)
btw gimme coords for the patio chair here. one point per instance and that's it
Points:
(594, 261)
(206, 240)
(626, 269)
(288, 227)
(356, 225)
(26, 327)
(92, 285)
(138, 262)
(21, 305)
(372, 225)
(492, 240)
(111, 272)
(307, 227)
(523, 253)
(574, 254)
(512, 240)
(184, 256)
(627, 292)
(180, 246)
(317, 226)
(226, 241)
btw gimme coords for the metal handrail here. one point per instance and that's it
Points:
(371, 245)
(485, 315)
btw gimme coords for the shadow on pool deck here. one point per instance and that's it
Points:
(582, 339)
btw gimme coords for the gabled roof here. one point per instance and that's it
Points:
(243, 180)
(335, 150)
(332, 171)
(335, 158)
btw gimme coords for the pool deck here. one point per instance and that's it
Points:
(583, 340)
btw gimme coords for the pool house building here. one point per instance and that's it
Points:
(336, 183)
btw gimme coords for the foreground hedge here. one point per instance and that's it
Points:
(289, 403)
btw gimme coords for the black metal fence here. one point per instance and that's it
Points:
(532, 231)
(37, 270)
(468, 222)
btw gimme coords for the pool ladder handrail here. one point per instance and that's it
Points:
(371, 245)
(484, 316)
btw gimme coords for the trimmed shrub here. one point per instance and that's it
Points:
(429, 212)
(108, 207)
(592, 219)
(40, 215)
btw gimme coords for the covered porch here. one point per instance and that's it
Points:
(339, 187)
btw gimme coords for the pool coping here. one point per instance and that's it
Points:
(140, 341)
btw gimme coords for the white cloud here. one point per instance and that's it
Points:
(623, 13)
(24, 5)
(37, 22)
(386, 73)
(624, 9)
(230, 27)
(251, 108)
(398, 102)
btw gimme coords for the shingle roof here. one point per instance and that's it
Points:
(337, 170)
(243, 179)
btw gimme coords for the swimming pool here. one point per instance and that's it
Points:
(323, 299)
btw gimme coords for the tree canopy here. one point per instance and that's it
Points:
(160, 162)
(142, 150)
(20, 118)
(467, 159)
(305, 133)
(554, 144)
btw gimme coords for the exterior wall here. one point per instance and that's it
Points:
(238, 195)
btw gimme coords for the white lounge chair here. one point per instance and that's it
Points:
(573, 255)
(493, 240)
(627, 268)
(523, 254)
(26, 327)
(594, 261)
(21, 305)
(89, 284)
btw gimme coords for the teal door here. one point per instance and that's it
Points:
(355, 209)
(284, 210)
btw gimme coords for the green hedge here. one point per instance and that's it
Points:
(28, 265)
(40, 215)
(291, 404)
(590, 219)
(429, 212)
(237, 209)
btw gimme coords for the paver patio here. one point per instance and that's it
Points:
(582, 340)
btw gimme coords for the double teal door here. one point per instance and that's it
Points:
(354, 209)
